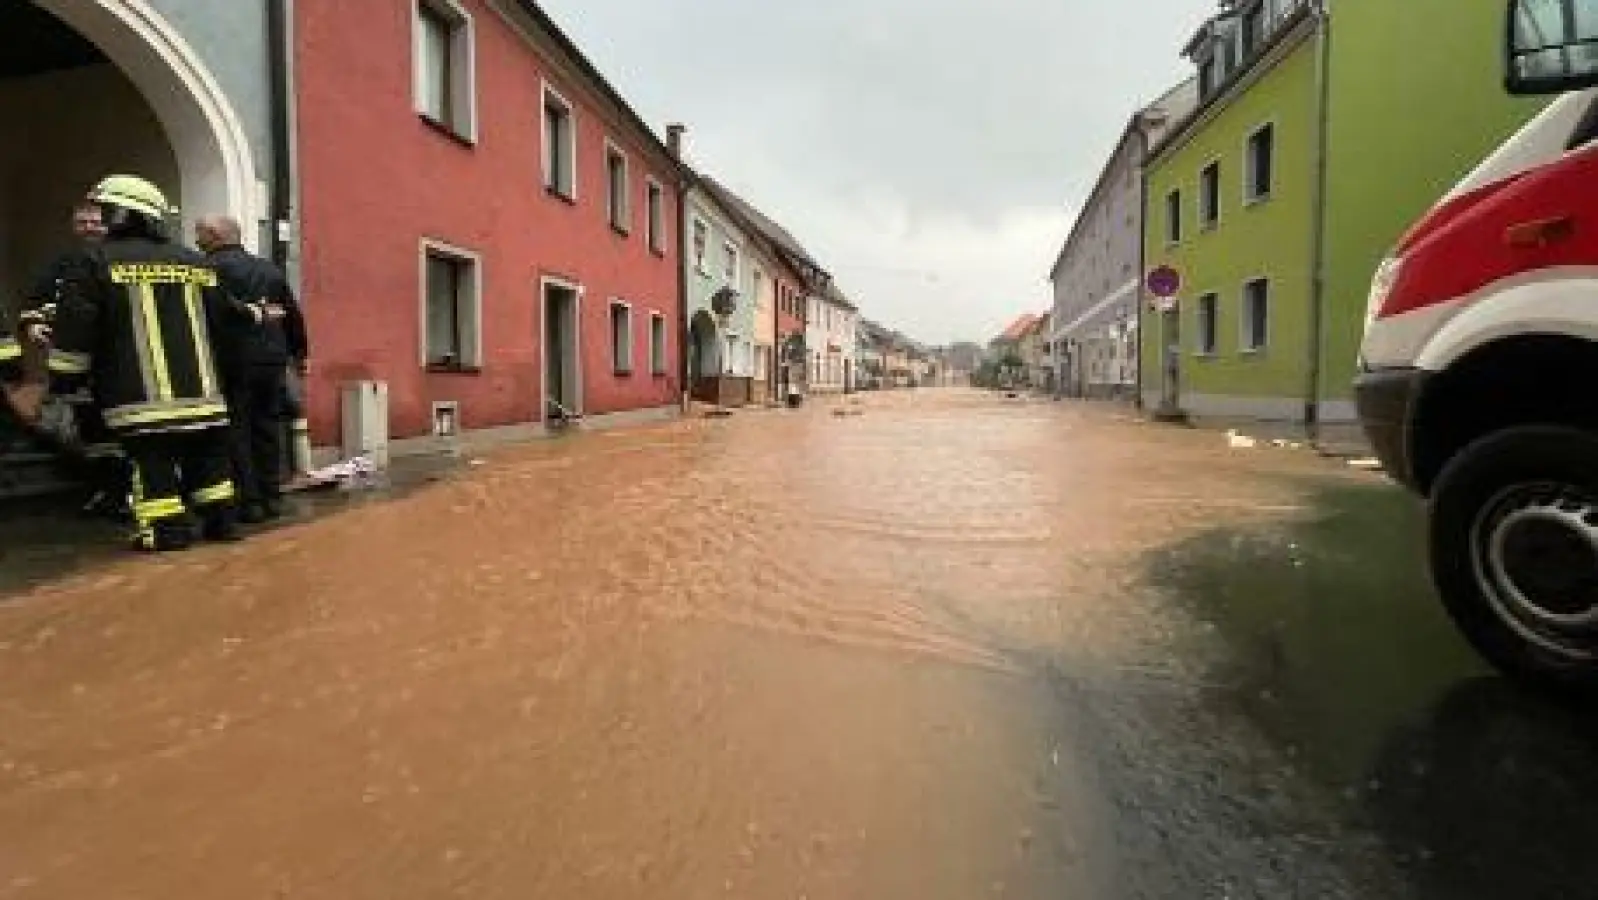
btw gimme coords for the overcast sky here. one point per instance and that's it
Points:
(930, 153)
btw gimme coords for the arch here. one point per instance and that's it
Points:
(214, 157)
(704, 347)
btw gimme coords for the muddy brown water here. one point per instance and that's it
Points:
(786, 654)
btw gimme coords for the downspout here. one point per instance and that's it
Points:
(1142, 252)
(685, 179)
(1317, 295)
(279, 200)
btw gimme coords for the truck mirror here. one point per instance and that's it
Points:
(1551, 46)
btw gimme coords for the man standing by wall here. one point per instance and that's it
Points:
(254, 363)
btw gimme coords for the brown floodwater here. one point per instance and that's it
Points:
(781, 655)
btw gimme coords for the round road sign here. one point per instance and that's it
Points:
(1164, 282)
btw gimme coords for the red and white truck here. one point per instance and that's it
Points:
(1478, 382)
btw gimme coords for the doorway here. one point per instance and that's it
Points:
(563, 388)
(1171, 358)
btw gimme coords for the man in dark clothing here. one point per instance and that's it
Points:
(91, 450)
(255, 361)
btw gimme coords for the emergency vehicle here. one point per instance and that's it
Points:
(1478, 382)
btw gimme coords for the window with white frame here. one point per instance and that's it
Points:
(1256, 314)
(444, 66)
(451, 310)
(701, 244)
(1260, 157)
(656, 212)
(621, 337)
(730, 260)
(657, 344)
(560, 145)
(617, 189)
(1206, 331)
(1210, 195)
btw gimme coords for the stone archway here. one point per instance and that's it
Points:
(705, 347)
(216, 166)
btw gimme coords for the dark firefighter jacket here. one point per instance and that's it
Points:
(141, 324)
(256, 280)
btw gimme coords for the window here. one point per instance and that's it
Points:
(731, 260)
(621, 337)
(444, 63)
(1260, 153)
(617, 203)
(756, 279)
(450, 308)
(1210, 195)
(1256, 314)
(1173, 217)
(560, 146)
(657, 344)
(657, 217)
(1206, 324)
(1253, 29)
(701, 242)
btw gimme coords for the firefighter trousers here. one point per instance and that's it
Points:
(176, 473)
(255, 406)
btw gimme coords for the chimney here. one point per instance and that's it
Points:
(674, 139)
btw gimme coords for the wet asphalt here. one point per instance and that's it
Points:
(1288, 715)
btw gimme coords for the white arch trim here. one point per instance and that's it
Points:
(213, 152)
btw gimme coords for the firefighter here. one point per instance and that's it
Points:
(255, 361)
(138, 322)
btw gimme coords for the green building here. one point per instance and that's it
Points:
(1322, 132)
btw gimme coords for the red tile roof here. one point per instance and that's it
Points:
(1019, 327)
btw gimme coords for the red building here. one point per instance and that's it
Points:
(485, 224)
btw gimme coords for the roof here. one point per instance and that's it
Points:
(1019, 328)
(1174, 103)
(589, 70)
(835, 296)
(1285, 35)
(760, 222)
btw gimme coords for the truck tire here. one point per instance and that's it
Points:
(1514, 553)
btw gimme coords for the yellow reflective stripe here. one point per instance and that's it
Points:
(152, 331)
(68, 363)
(202, 341)
(164, 508)
(9, 349)
(216, 493)
(123, 417)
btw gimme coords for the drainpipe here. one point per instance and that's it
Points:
(1142, 252)
(1317, 294)
(280, 196)
(279, 202)
(674, 133)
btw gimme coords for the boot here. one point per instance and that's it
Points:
(219, 523)
(166, 535)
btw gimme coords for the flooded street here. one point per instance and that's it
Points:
(950, 647)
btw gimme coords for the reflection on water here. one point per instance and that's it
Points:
(909, 653)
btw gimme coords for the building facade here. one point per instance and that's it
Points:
(1097, 274)
(720, 279)
(1302, 165)
(831, 341)
(1231, 209)
(495, 268)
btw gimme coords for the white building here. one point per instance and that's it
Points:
(1098, 272)
(831, 341)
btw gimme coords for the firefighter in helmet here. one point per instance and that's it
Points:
(138, 321)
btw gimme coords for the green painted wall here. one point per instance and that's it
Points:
(1416, 101)
(1269, 239)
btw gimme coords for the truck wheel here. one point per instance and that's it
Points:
(1514, 553)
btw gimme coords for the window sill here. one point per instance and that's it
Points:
(658, 251)
(1256, 201)
(622, 230)
(452, 369)
(1254, 352)
(447, 131)
(560, 195)
(1208, 227)
(1205, 354)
